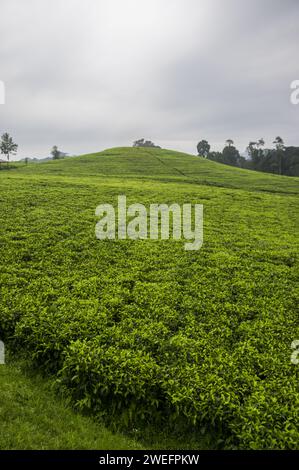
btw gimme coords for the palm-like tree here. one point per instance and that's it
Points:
(229, 142)
(7, 146)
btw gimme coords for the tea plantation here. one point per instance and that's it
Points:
(143, 331)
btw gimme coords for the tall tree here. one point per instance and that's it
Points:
(260, 143)
(203, 148)
(229, 142)
(256, 153)
(251, 149)
(7, 146)
(230, 155)
(279, 144)
(55, 153)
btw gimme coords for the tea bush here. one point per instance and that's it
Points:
(145, 331)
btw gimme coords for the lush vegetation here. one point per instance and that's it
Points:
(33, 417)
(145, 332)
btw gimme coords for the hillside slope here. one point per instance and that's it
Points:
(165, 165)
(144, 331)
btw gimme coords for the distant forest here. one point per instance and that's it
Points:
(281, 160)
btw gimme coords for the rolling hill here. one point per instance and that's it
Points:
(143, 331)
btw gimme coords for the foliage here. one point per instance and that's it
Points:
(144, 143)
(229, 155)
(282, 160)
(56, 154)
(203, 148)
(145, 331)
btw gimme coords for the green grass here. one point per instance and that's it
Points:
(162, 165)
(32, 416)
(144, 333)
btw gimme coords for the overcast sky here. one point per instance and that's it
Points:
(90, 74)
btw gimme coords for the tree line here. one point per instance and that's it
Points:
(281, 159)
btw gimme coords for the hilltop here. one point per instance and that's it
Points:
(164, 165)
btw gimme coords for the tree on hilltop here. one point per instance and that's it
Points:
(230, 155)
(145, 143)
(203, 148)
(57, 154)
